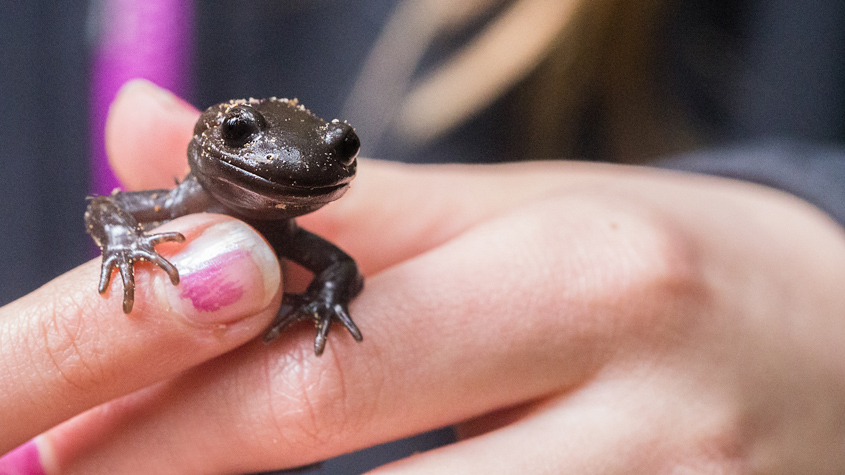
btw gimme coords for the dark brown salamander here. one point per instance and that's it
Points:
(263, 161)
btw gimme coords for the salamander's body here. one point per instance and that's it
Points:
(265, 162)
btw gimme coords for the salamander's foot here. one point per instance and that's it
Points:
(132, 247)
(322, 307)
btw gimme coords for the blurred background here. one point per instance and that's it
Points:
(422, 81)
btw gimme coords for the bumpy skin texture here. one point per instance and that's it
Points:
(263, 161)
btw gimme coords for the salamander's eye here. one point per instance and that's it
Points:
(240, 125)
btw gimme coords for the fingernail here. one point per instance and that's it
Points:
(24, 460)
(226, 273)
(165, 98)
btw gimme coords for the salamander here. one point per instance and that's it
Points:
(264, 161)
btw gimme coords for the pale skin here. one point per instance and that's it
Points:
(567, 317)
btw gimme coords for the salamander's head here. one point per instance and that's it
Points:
(272, 158)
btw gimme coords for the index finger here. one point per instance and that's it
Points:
(66, 348)
(148, 131)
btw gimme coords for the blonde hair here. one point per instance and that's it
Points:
(560, 58)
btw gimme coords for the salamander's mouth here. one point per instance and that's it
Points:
(289, 191)
(253, 196)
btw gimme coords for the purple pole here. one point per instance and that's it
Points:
(148, 39)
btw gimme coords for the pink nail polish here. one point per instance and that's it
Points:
(226, 273)
(24, 460)
(212, 287)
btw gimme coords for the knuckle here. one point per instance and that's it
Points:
(661, 264)
(628, 269)
(660, 284)
(617, 247)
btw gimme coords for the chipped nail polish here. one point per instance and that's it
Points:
(227, 273)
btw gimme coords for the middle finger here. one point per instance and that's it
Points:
(449, 335)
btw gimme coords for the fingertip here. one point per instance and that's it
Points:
(147, 134)
(79, 351)
(226, 271)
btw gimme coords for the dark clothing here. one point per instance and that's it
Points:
(43, 143)
(765, 79)
(810, 171)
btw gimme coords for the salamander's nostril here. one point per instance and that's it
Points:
(343, 139)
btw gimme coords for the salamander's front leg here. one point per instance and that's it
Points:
(336, 282)
(123, 242)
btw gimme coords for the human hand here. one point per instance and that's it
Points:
(65, 348)
(567, 317)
